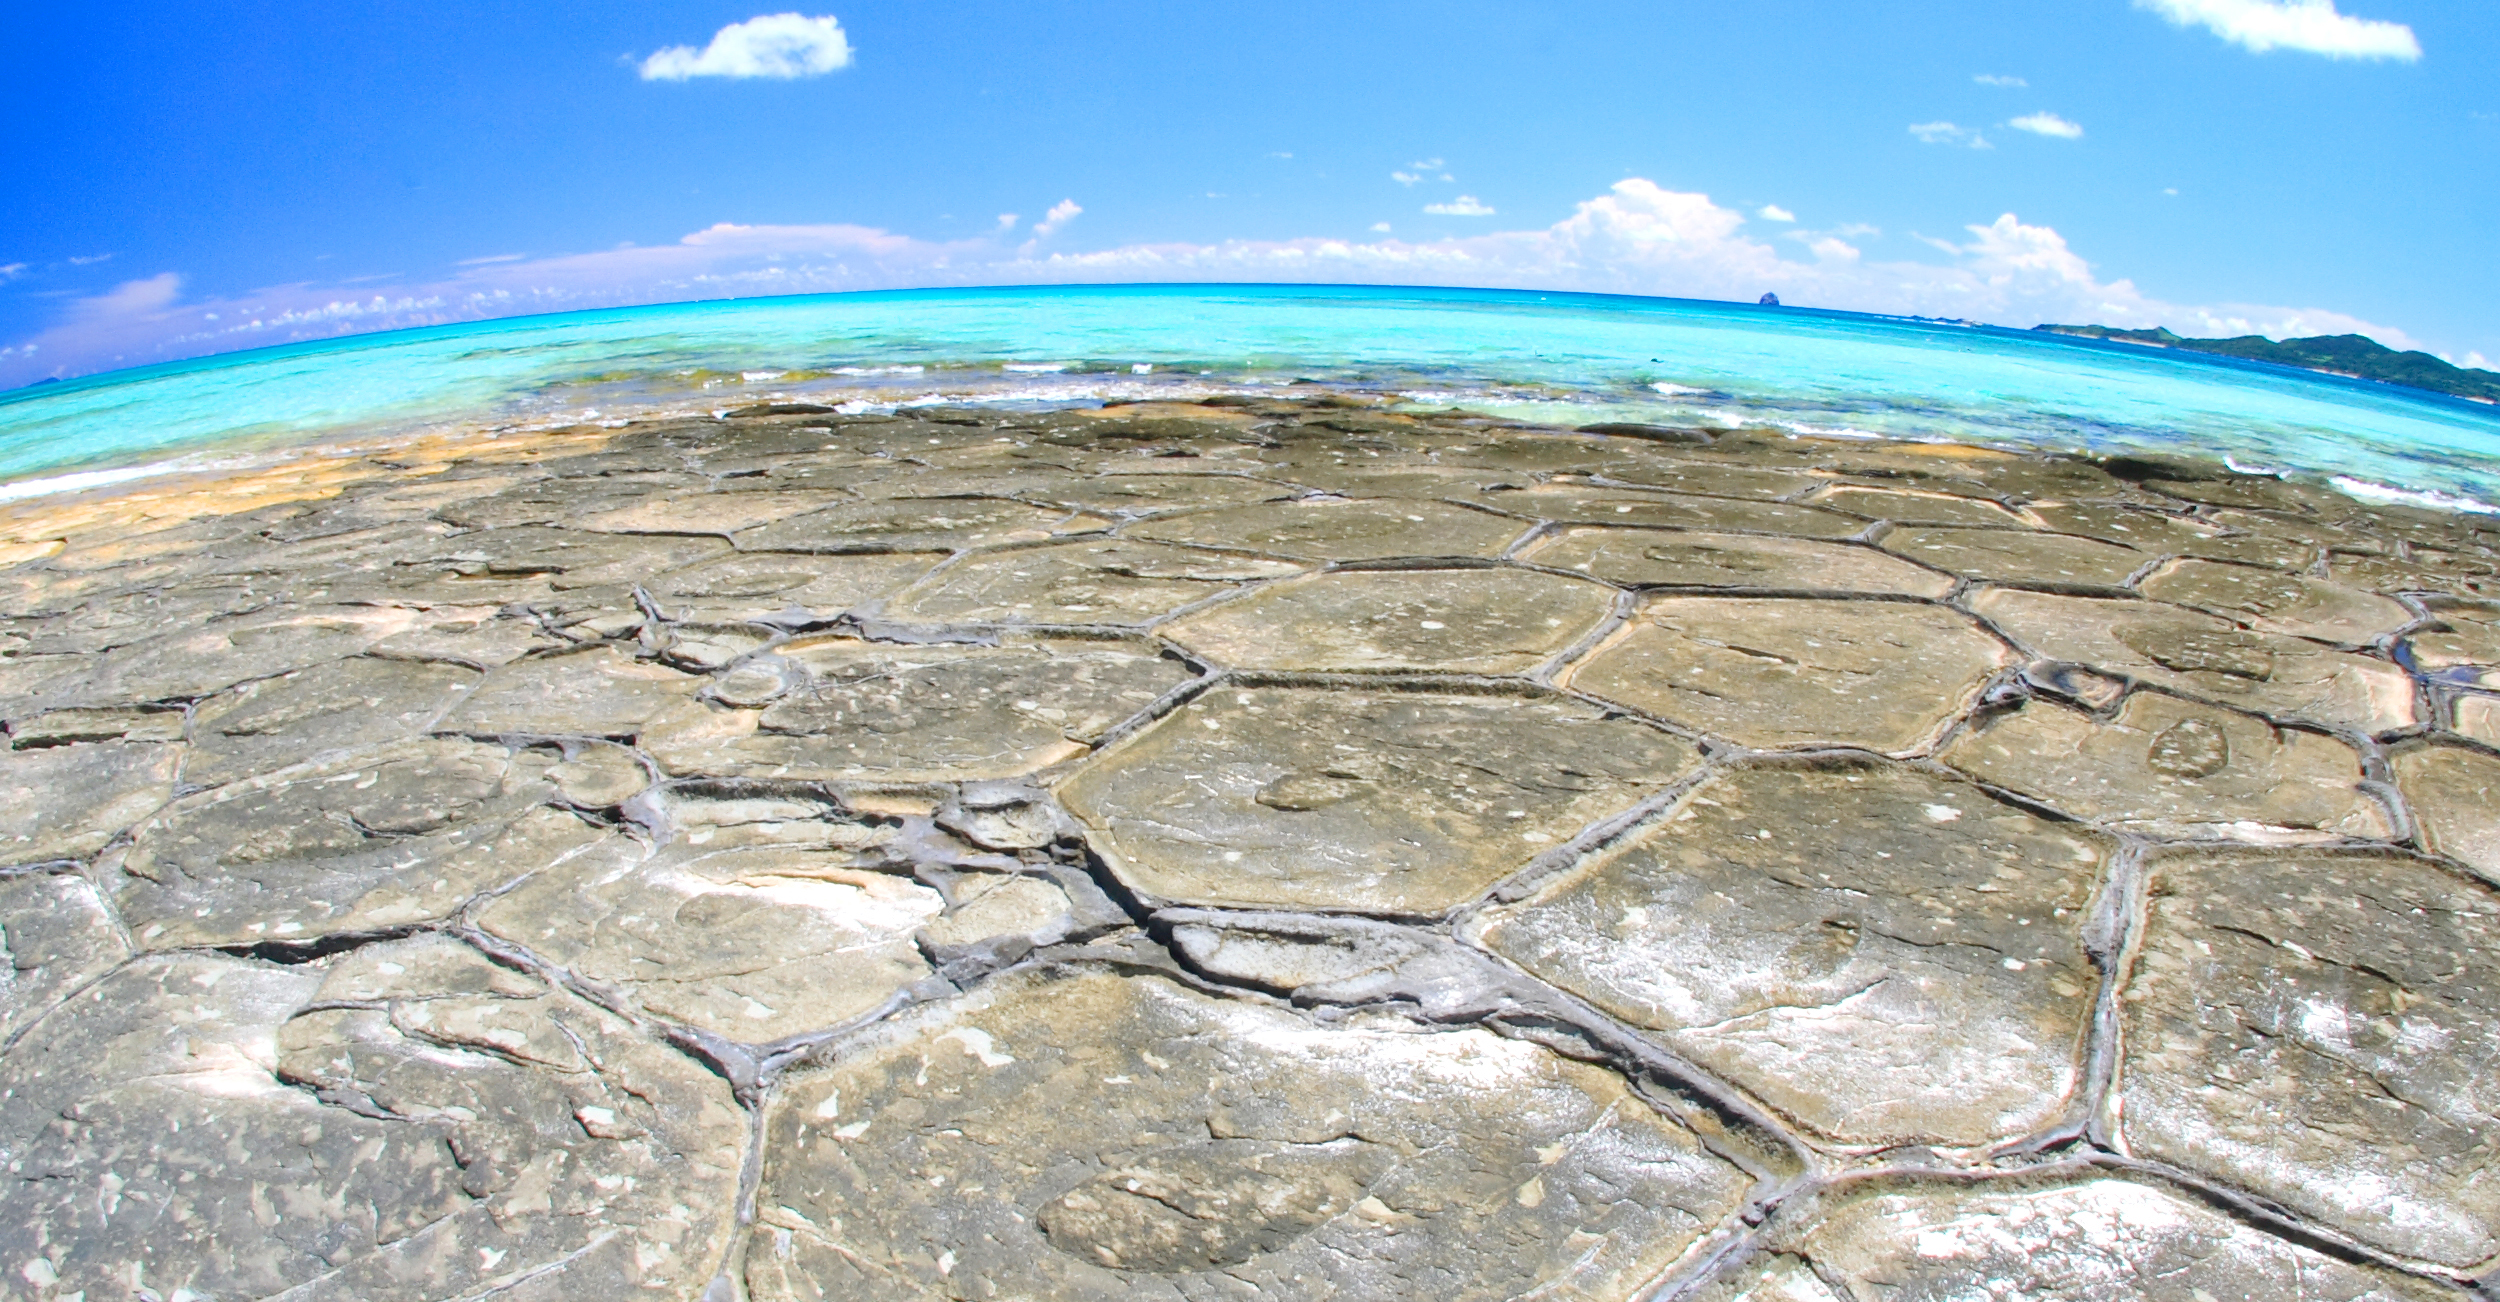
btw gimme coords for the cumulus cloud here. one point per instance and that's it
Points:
(1465, 205)
(2313, 26)
(1771, 212)
(1382, 227)
(1945, 133)
(11, 272)
(1060, 214)
(1405, 178)
(2045, 123)
(1636, 238)
(2004, 83)
(771, 45)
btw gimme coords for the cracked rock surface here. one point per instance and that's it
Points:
(1293, 845)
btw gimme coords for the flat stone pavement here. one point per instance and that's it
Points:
(1289, 848)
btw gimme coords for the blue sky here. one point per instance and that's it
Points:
(185, 178)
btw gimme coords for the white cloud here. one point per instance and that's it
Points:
(90, 260)
(2003, 83)
(2310, 25)
(1006, 223)
(1637, 238)
(1945, 133)
(1060, 214)
(1771, 212)
(1382, 227)
(489, 259)
(11, 272)
(1464, 205)
(2045, 123)
(771, 45)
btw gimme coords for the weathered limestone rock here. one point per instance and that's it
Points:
(466, 1130)
(2455, 796)
(188, 663)
(916, 525)
(599, 692)
(1919, 508)
(2156, 533)
(56, 935)
(2477, 717)
(1888, 676)
(1500, 621)
(1109, 581)
(761, 585)
(1885, 956)
(1379, 801)
(1140, 495)
(506, 564)
(1576, 504)
(1337, 530)
(2278, 603)
(2094, 1240)
(67, 802)
(708, 513)
(1707, 479)
(343, 705)
(2311, 1027)
(1093, 1136)
(1733, 560)
(2463, 650)
(2204, 656)
(870, 711)
(479, 637)
(752, 944)
(2024, 559)
(2167, 767)
(386, 838)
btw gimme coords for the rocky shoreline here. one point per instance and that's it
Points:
(1284, 846)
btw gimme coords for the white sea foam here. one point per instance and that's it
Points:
(85, 479)
(2430, 497)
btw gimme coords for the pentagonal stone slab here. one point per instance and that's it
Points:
(2424, 570)
(709, 513)
(1106, 581)
(1641, 557)
(752, 943)
(2167, 767)
(1098, 1137)
(761, 585)
(915, 525)
(188, 663)
(1135, 495)
(2464, 649)
(1888, 676)
(480, 637)
(2096, 1240)
(58, 935)
(385, 838)
(2208, 657)
(1577, 504)
(1885, 956)
(1915, 508)
(558, 558)
(1408, 802)
(872, 711)
(2043, 560)
(481, 1130)
(601, 692)
(1341, 530)
(2277, 602)
(1502, 621)
(2307, 1027)
(1707, 479)
(338, 706)
(2477, 717)
(2158, 534)
(66, 802)
(2455, 796)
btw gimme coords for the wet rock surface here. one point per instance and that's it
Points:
(1288, 845)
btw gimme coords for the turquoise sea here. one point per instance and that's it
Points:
(1564, 358)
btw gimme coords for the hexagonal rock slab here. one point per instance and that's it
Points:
(840, 708)
(463, 1131)
(2095, 1240)
(338, 706)
(59, 934)
(1915, 508)
(1084, 1136)
(1769, 673)
(66, 802)
(916, 525)
(1341, 530)
(601, 692)
(1110, 581)
(2321, 1031)
(1578, 504)
(387, 838)
(2455, 796)
(2167, 767)
(1640, 557)
(1499, 621)
(2278, 602)
(2040, 560)
(2477, 717)
(1388, 801)
(761, 585)
(1885, 956)
(2465, 651)
(2204, 656)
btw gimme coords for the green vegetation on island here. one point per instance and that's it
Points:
(2354, 355)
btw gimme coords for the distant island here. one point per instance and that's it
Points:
(2357, 356)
